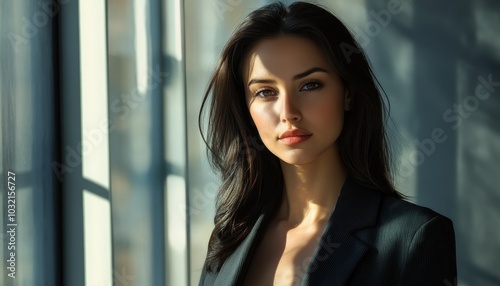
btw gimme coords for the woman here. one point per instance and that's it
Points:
(316, 205)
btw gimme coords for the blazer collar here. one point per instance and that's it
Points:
(338, 251)
(234, 268)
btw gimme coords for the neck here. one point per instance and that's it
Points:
(311, 190)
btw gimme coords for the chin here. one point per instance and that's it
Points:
(295, 159)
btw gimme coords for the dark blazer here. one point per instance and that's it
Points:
(370, 239)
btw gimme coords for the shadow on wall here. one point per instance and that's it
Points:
(453, 98)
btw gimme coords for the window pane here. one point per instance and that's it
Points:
(136, 141)
(29, 139)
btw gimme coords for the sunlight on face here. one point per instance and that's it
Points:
(295, 98)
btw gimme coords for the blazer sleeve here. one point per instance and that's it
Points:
(431, 258)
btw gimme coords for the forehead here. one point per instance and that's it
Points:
(283, 56)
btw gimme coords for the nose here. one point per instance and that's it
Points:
(289, 108)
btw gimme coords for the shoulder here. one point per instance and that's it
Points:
(408, 216)
(400, 225)
(383, 217)
(416, 243)
(423, 239)
(408, 235)
(379, 209)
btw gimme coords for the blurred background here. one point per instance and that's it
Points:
(99, 106)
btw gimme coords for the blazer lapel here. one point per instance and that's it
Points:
(233, 270)
(339, 251)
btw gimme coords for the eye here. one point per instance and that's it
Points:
(264, 93)
(310, 86)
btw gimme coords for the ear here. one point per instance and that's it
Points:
(347, 101)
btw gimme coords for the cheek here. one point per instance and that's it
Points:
(328, 112)
(259, 116)
(263, 120)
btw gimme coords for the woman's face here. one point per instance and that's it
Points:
(295, 98)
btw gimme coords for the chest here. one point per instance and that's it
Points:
(282, 258)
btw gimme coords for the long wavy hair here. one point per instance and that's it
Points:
(251, 176)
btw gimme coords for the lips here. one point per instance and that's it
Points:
(295, 136)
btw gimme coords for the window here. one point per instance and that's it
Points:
(99, 128)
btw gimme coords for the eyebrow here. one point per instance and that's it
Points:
(295, 77)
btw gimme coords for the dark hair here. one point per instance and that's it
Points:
(252, 181)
